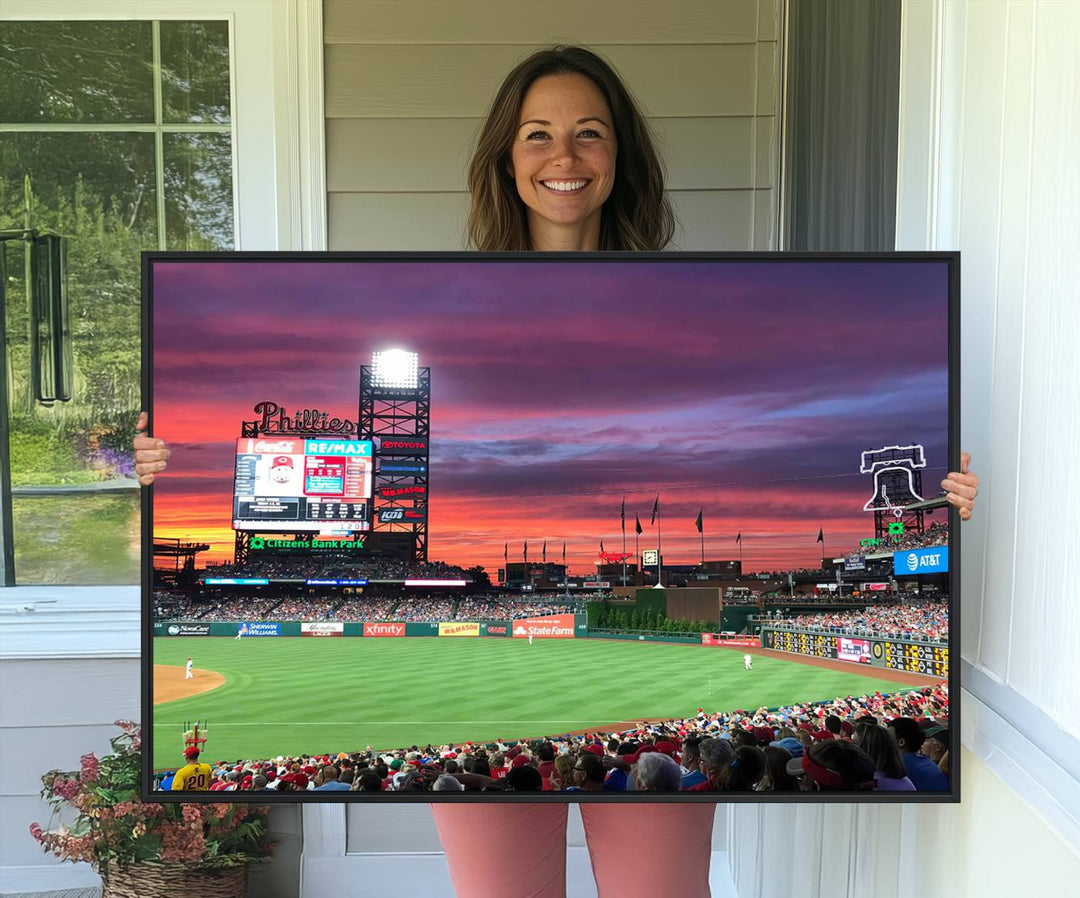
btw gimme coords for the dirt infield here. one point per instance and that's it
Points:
(169, 683)
(866, 670)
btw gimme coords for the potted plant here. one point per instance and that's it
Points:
(148, 849)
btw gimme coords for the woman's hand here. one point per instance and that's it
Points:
(960, 488)
(150, 454)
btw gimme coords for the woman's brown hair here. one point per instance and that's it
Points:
(637, 214)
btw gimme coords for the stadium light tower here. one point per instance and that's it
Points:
(395, 369)
(395, 413)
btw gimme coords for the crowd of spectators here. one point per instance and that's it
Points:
(928, 621)
(336, 567)
(937, 534)
(413, 606)
(873, 742)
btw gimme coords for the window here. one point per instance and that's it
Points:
(118, 136)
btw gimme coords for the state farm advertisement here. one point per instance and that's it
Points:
(552, 626)
(853, 650)
(460, 628)
(322, 628)
(384, 629)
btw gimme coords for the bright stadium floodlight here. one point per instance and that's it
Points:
(394, 369)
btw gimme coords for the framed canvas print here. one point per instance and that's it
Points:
(551, 527)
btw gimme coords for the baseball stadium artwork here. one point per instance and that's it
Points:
(461, 527)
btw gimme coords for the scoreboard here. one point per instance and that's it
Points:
(894, 654)
(914, 657)
(296, 484)
(816, 645)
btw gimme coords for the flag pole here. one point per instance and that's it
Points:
(565, 571)
(637, 550)
(622, 517)
(659, 551)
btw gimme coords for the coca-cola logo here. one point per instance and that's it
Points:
(269, 446)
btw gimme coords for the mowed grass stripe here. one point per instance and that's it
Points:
(301, 690)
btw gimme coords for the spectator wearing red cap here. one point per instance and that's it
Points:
(193, 776)
(834, 766)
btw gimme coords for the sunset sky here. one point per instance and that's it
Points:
(558, 388)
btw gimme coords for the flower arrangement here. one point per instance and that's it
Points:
(113, 827)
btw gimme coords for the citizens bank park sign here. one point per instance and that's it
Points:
(261, 544)
(553, 626)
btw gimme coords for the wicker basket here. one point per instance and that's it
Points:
(148, 880)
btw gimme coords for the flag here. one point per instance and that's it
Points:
(821, 537)
(564, 553)
(655, 509)
(738, 538)
(698, 521)
(601, 547)
(622, 515)
(637, 524)
(543, 554)
(525, 551)
(506, 553)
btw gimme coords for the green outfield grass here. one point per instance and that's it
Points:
(293, 695)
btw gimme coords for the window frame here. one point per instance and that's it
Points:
(279, 143)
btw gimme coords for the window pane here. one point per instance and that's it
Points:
(198, 192)
(195, 71)
(81, 540)
(98, 191)
(76, 72)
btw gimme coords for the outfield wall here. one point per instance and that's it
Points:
(912, 656)
(691, 639)
(558, 626)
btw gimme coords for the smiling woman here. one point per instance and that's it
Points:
(561, 117)
(563, 160)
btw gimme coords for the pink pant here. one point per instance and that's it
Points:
(496, 850)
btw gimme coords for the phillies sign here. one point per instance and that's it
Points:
(411, 489)
(384, 629)
(275, 419)
(403, 445)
